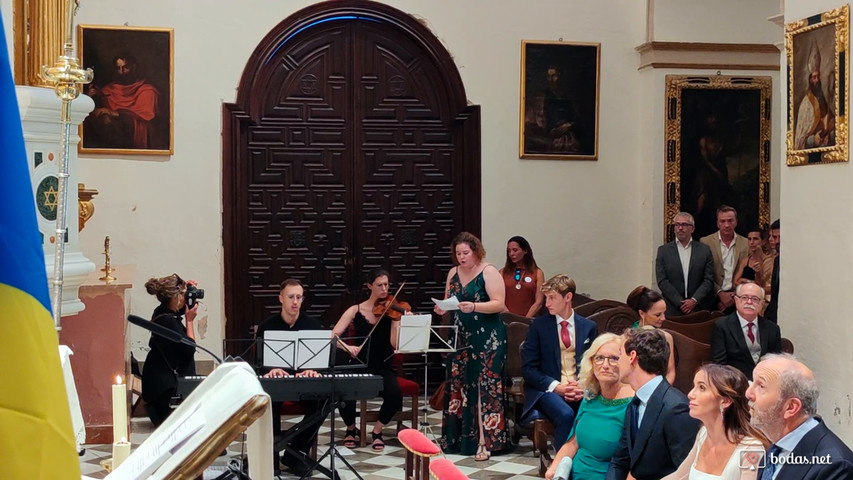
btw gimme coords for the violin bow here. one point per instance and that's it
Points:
(387, 307)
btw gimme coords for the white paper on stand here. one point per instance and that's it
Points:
(451, 303)
(414, 333)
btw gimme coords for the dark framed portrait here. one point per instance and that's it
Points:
(717, 150)
(132, 89)
(816, 50)
(559, 100)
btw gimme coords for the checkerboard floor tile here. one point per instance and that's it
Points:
(520, 464)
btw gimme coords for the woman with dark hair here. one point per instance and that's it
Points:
(755, 268)
(651, 308)
(474, 421)
(378, 353)
(522, 279)
(167, 360)
(719, 400)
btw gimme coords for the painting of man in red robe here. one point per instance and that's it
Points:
(132, 106)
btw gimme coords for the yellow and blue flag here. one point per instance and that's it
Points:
(36, 438)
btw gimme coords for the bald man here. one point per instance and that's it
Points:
(783, 404)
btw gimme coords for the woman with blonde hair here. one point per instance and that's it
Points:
(601, 416)
(718, 399)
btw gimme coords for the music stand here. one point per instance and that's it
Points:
(310, 349)
(415, 335)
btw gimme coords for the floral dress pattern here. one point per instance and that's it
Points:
(475, 374)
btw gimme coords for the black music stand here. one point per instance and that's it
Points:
(304, 348)
(421, 341)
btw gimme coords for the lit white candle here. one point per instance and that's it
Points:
(119, 410)
(121, 450)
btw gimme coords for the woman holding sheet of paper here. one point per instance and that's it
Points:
(474, 421)
(377, 352)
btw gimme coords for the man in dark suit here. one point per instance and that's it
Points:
(685, 270)
(551, 358)
(740, 339)
(783, 401)
(659, 431)
(771, 312)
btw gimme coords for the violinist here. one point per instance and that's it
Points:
(377, 317)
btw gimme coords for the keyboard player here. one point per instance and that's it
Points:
(291, 318)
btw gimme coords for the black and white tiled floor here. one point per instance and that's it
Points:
(521, 464)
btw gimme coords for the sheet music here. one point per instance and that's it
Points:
(297, 350)
(451, 303)
(414, 333)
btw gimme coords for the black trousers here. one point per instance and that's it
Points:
(392, 399)
(304, 439)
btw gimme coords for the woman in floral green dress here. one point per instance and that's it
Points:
(473, 418)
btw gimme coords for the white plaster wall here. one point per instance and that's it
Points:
(816, 268)
(718, 21)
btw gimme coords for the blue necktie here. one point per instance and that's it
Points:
(771, 463)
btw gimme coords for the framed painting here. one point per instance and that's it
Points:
(559, 100)
(717, 134)
(132, 89)
(816, 49)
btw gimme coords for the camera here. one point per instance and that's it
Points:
(193, 295)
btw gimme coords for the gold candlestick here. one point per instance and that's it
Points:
(107, 268)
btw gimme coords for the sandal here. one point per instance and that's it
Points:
(351, 437)
(482, 454)
(378, 443)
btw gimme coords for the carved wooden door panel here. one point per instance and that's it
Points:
(345, 151)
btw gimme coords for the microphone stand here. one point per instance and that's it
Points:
(170, 335)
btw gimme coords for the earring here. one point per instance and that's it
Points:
(722, 410)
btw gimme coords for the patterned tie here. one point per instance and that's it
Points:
(771, 462)
(749, 333)
(564, 334)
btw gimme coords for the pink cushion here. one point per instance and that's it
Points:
(417, 443)
(444, 469)
(408, 387)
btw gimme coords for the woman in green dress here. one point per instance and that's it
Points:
(601, 416)
(473, 420)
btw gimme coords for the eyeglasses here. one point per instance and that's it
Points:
(599, 360)
(298, 298)
(683, 225)
(749, 298)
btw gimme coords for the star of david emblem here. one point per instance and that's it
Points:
(50, 198)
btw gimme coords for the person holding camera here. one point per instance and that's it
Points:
(167, 360)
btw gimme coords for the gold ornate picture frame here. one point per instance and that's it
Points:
(559, 100)
(816, 49)
(717, 150)
(132, 89)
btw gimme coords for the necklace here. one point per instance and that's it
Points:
(518, 274)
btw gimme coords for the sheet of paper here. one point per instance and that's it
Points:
(297, 350)
(447, 305)
(414, 333)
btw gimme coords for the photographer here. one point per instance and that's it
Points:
(168, 360)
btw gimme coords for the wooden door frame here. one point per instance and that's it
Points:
(248, 109)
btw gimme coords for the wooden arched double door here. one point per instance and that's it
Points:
(350, 146)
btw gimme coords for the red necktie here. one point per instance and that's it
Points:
(749, 332)
(564, 334)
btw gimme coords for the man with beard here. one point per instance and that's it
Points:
(740, 339)
(783, 405)
(815, 125)
(126, 110)
(562, 119)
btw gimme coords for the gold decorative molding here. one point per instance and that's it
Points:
(84, 202)
(809, 32)
(709, 56)
(39, 32)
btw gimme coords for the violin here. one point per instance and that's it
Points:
(391, 307)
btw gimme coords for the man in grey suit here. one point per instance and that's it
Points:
(728, 248)
(685, 270)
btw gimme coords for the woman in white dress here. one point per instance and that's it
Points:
(726, 438)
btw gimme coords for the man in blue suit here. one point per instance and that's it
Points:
(783, 401)
(551, 358)
(659, 431)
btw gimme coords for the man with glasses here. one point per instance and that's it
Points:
(740, 339)
(291, 318)
(551, 358)
(685, 270)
